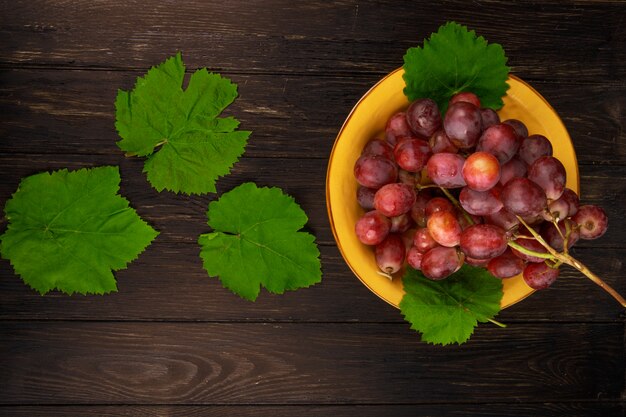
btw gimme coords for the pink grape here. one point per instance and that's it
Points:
(401, 223)
(397, 126)
(515, 168)
(390, 254)
(444, 228)
(534, 147)
(540, 276)
(499, 140)
(437, 204)
(523, 197)
(489, 117)
(423, 117)
(506, 265)
(481, 203)
(418, 210)
(372, 228)
(519, 127)
(530, 244)
(394, 199)
(412, 154)
(375, 171)
(423, 241)
(445, 169)
(554, 238)
(467, 97)
(463, 124)
(483, 241)
(592, 220)
(414, 257)
(481, 171)
(549, 173)
(365, 197)
(441, 262)
(378, 147)
(440, 142)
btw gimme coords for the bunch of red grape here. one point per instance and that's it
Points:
(467, 188)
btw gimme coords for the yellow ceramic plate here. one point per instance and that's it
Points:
(367, 120)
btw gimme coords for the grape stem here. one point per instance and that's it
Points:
(565, 258)
(456, 204)
(497, 323)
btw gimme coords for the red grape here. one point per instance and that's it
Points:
(378, 147)
(411, 154)
(565, 206)
(467, 97)
(423, 117)
(519, 127)
(476, 262)
(549, 173)
(394, 199)
(437, 204)
(401, 223)
(375, 171)
(444, 228)
(506, 265)
(534, 147)
(481, 171)
(515, 168)
(418, 210)
(499, 140)
(503, 218)
(523, 197)
(390, 254)
(441, 262)
(423, 241)
(592, 221)
(481, 203)
(406, 177)
(463, 124)
(365, 197)
(414, 257)
(530, 244)
(397, 126)
(483, 241)
(554, 238)
(489, 117)
(540, 276)
(372, 228)
(440, 142)
(445, 169)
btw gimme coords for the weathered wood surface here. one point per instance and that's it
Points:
(172, 341)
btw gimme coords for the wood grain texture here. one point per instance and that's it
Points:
(340, 37)
(135, 363)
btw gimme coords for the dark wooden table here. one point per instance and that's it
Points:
(172, 341)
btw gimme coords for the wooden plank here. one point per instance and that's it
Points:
(48, 111)
(167, 282)
(219, 364)
(589, 409)
(288, 37)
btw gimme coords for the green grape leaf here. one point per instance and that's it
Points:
(188, 147)
(454, 60)
(68, 230)
(447, 311)
(256, 241)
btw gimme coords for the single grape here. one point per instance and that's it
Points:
(397, 126)
(437, 204)
(441, 262)
(406, 177)
(418, 210)
(515, 168)
(375, 171)
(555, 239)
(412, 154)
(549, 173)
(481, 171)
(423, 117)
(394, 199)
(530, 244)
(466, 219)
(503, 218)
(565, 206)
(444, 228)
(365, 197)
(401, 223)
(519, 127)
(540, 276)
(467, 97)
(483, 241)
(489, 117)
(592, 220)
(481, 203)
(414, 258)
(506, 265)
(499, 140)
(423, 241)
(533, 148)
(372, 228)
(390, 254)
(482, 263)
(523, 197)
(463, 124)
(445, 169)
(440, 142)
(378, 147)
